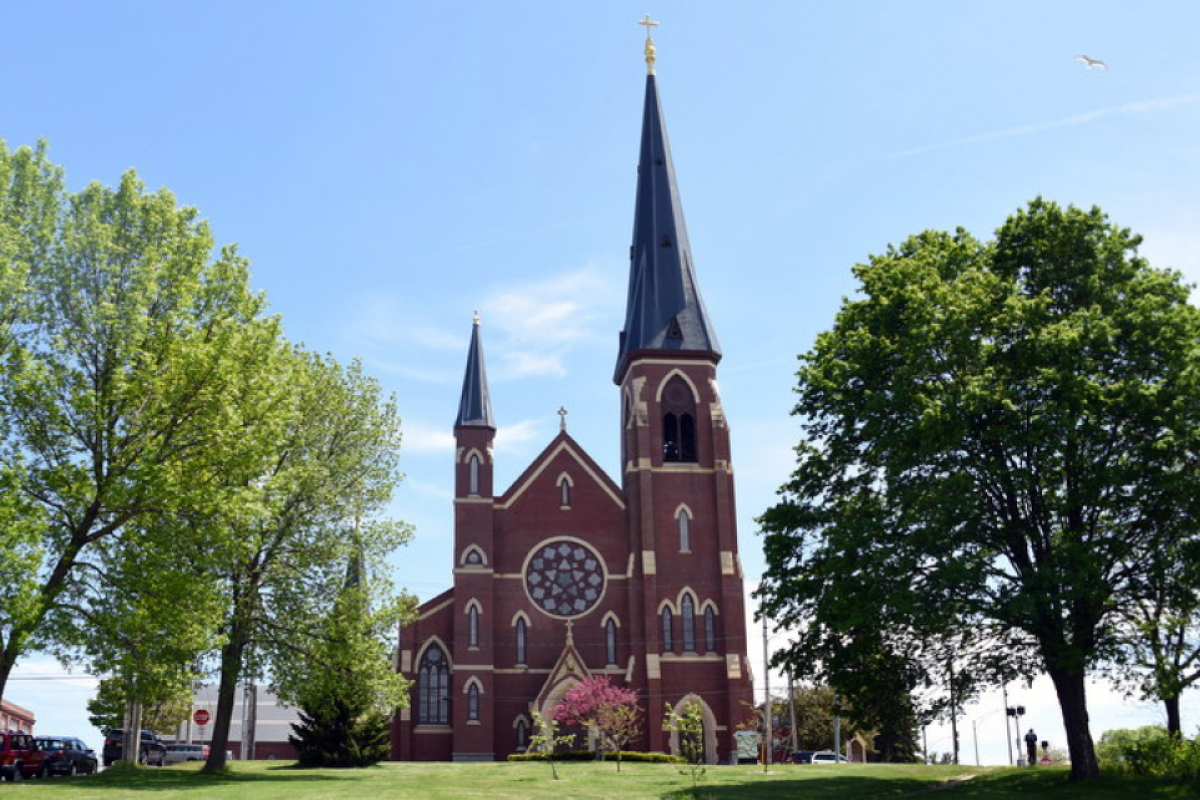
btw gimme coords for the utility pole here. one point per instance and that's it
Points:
(792, 708)
(1007, 737)
(767, 702)
(837, 728)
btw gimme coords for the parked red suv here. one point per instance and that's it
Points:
(20, 757)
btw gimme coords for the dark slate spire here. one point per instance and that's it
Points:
(475, 407)
(665, 310)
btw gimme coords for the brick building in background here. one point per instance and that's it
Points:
(15, 718)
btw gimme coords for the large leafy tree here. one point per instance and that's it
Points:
(124, 345)
(305, 511)
(995, 435)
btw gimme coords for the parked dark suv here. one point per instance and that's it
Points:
(152, 753)
(20, 757)
(66, 755)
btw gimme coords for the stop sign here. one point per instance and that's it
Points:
(201, 717)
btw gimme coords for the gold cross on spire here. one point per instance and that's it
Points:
(650, 52)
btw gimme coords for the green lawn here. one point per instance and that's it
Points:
(274, 780)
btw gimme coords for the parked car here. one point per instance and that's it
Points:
(20, 757)
(66, 755)
(829, 757)
(801, 757)
(151, 753)
(178, 753)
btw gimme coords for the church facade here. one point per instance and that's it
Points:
(570, 573)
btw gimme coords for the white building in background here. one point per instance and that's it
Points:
(270, 722)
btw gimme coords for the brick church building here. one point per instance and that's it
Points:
(569, 573)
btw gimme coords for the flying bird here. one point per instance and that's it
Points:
(1092, 62)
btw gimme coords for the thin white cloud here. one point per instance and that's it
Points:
(510, 437)
(538, 324)
(1160, 104)
(429, 489)
(418, 437)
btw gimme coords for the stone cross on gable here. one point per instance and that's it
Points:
(562, 422)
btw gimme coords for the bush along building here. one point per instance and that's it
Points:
(568, 573)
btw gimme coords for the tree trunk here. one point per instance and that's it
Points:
(231, 667)
(1072, 699)
(1173, 724)
(250, 726)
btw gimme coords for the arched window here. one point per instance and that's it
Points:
(473, 702)
(687, 613)
(610, 641)
(679, 421)
(473, 558)
(473, 475)
(564, 492)
(521, 641)
(685, 531)
(710, 630)
(433, 687)
(473, 626)
(667, 644)
(522, 735)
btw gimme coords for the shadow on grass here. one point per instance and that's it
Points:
(150, 779)
(843, 787)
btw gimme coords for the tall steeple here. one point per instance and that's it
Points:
(475, 407)
(664, 310)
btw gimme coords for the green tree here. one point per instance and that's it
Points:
(995, 435)
(346, 686)
(689, 727)
(297, 523)
(1161, 654)
(348, 693)
(120, 356)
(106, 710)
(546, 739)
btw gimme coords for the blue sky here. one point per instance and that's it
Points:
(391, 167)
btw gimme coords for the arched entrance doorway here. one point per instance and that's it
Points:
(708, 728)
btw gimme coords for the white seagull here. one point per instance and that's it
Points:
(1092, 62)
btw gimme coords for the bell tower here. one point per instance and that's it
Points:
(472, 692)
(676, 469)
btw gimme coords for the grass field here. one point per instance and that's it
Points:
(274, 780)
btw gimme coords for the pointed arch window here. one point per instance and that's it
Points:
(710, 630)
(473, 702)
(564, 492)
(473, 475)
(521, 632)
(433, 687)
(473, 627)
(687, 614)
(522, 735)
(667, 629)
(679, 421)
(610, 641)
(684, 520)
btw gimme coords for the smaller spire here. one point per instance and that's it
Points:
(475, 407)
(562, 418)
(650, 51)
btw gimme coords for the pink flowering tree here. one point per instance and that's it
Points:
(610, 711)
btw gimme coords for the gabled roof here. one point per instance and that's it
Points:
(664, 310)
(562, 443)
(475, 406)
